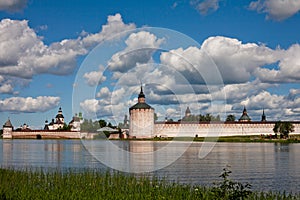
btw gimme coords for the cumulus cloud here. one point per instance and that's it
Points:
(12, 5)
(90, 105)
(288, 67)
(235, 61)
(23, 53)
(6, 88)
(104, 93)
(95, 78)
(111, 30)
(139, 49)
(276, 9)
(205, 6)
(29, 104)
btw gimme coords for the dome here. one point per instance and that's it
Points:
(59, 116)
(245, 116)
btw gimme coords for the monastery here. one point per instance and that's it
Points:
(142, 125)
(54, 129)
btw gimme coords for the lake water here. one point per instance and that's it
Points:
(266, 166)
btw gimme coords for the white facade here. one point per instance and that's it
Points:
(141, 123)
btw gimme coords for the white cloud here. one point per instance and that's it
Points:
(95, 78)
(12, 5)
(90, 106)
(276, 9)
(104, 93)
(205, 6)
(237, 61)
(139, 49)
(29, 104)
(23, 53)
(114, 27)
(6, 88)
(289, 67)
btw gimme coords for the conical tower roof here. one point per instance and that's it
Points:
(8, 124)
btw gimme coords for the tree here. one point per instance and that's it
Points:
(102, 123)
(284, 128)
(230, 118)
(155, 117)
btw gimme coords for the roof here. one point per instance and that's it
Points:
(108, 129)
(59, 116)
(8, 123)
(141, 95)
(245, 117)
(140, 106)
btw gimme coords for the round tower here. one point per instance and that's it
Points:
(141, 118)
(7, 130)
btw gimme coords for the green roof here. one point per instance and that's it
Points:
(140, 106)
(245, 118)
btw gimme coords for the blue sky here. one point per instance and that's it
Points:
(47, 47)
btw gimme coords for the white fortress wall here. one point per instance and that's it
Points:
(46, 134)
(215, 129)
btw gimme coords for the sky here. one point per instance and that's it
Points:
(215, 56)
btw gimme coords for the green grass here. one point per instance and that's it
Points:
(89, 184)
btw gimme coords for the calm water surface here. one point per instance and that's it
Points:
(267, 166)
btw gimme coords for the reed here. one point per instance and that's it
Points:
(91, 184)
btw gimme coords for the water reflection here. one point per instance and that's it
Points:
(136, 156)
(267, 166)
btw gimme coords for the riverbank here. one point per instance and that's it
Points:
(248, 139)
(115, 185)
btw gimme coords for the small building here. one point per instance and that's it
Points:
(75, 123)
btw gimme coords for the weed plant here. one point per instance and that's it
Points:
(89, 184)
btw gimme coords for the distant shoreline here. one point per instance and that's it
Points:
(242, 139)
(245, 139)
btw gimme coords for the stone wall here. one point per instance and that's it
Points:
(46, 134)
(185, 129)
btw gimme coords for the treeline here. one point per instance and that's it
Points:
(89, 125)
(201, 118)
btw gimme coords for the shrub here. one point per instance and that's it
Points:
(228, 189)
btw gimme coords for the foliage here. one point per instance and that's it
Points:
(65, 127)
(92, 184)
(201, 118)
(89, 125)
(102, 123)
(228, 189)
(230, 118)
(155, 117)
(284, 128)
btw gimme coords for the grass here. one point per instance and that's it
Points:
(89, 184)
(250, 139)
